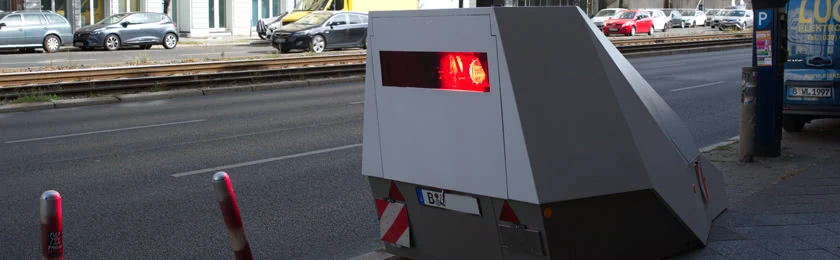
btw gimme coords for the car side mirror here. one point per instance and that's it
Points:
(125, 24)
(2, 25)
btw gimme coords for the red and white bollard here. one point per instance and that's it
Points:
(52, 244)
(233, 221)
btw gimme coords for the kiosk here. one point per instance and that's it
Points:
(523, 133)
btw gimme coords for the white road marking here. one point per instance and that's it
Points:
(719, 144)
(698, 86)
(226, 167)
(357, 102)
(106, 131)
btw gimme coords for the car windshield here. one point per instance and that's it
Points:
(113, 19)
(309, 5)
(736, 13)
(687, 12)
(627, 15)
(314, 19)
(603, 13)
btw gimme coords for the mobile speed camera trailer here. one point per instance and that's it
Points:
(482, 142)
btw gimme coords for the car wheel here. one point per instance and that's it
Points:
(694, 24)
(318, 44)
(667, 25)
(112, 42)
(793, 123)
(682, 24)
(51, 43)
(650, 32)
(170, 41)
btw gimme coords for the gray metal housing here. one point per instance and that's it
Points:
(568, 123)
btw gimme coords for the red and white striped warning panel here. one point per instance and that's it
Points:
(393, 223)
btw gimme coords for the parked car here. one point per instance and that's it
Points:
(711, 15)
(322, 30)
(660, 19)
(265, 28)
(629, 23)
(677, 19)
(142, 29)
(693, 17)
(736, 19)
(28, 30)
(605, 14)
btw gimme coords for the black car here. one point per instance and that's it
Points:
(141, 28)
(323, 30)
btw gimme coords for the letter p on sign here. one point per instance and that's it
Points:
(763, 20)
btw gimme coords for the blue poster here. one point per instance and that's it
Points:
(813, 28)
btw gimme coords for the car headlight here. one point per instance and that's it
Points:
(97, 32)
(628, 23)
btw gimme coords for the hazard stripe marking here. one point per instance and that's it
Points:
(393, 223)
(380, 207)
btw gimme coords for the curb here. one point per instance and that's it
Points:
(169, 94)
(65, 103)
(685, 51)
(719, 144)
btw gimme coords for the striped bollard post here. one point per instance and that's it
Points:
(52, 244)
(233, 221)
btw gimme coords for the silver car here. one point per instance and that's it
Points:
(28, 30)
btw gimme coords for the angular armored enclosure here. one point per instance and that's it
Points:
(557, 124)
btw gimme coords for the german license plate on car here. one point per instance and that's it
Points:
(810, 92)
(449, 201)
(613, 29)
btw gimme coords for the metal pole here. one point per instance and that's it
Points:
(233, 221)
(52, 244)
(748, 92)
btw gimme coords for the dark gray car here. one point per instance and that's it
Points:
(28, 30)
(142, 29)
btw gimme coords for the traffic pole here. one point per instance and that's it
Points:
(746, 151)
(230, 212)
(52, 243)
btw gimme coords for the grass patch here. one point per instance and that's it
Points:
(33, 99)
(723, 148)
(189, 43)
(141, 59)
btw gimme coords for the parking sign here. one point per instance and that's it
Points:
(763, 19)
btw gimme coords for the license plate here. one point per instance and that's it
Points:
(449, 201)
(810, 92)
(613, 29)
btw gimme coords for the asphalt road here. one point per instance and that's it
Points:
(115, 166)
(185, 51)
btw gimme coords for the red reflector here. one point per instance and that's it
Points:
(508, 214)
(394, 193)
(785, 108)
(458, 71)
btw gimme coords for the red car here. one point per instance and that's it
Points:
(629, 23)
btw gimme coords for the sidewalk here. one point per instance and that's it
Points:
(780, 208)
(222, 40)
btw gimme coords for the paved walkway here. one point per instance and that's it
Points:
(781, 208)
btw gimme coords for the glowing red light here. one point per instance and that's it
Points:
(463, 71)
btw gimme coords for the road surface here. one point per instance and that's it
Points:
(136, 177)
